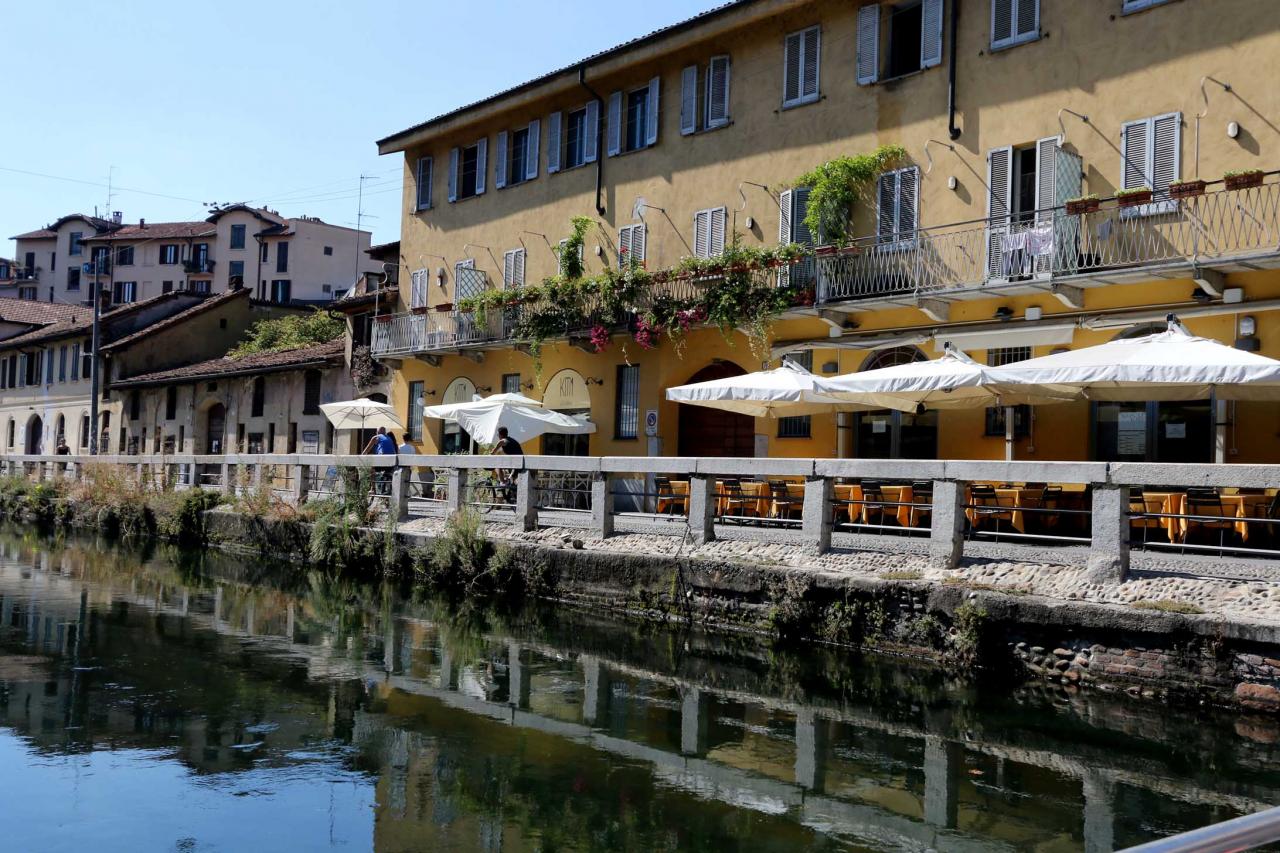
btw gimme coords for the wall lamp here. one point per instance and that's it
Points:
(488, 389)
(1003, 313)
(594, 380)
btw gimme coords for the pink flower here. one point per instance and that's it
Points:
(599, 338)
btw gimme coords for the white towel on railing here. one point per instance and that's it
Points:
(1017, 262)
(1040, 240)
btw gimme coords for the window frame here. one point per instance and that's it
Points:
(724, 222)
(641, 127)
(565, 163)
(422, 190)
(1014, 38)
(237, 237)
(415, 418)
(627, 243)
(801, 98)
(1158, 205)
(627, 396)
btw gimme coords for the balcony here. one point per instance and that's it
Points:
(1223, 230)
(101, 266)
(24, 274)
(197, 266)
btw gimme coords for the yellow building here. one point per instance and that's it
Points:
(675, 142)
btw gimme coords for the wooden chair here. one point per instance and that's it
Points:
(985, 504)
(1270, 510)
(922, 497)
(1138, 518)
(668, 501)
(784, 505)
(737, 503)
(1207, 502)
(873, 503)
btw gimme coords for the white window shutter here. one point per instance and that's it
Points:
(531, 153)
(1165, 156)
(624, 244)
(500, 174)
(868, 44)
(482, 164)
(811, 65)
(1002, 25)
(553, 143)
(655, 103)
(701, 233)
(999, 184)
(1028, 23)
(638, 234)
(718, 91)
(931, 33)
(1135, 166)
(886, 205)
(591, 127)
(689, 100)
(719, 216)
(418, 294)
(792, 49)
(453, 174)
(1046, 177)
(615, 124)
(509, 268)
(784, 233)
(521, 254)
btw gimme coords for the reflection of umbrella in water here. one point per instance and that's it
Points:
(524, 418)
(361, 414)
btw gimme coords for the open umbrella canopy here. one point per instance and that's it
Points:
(953, 381)
(784, 392)
(524, 418)
(1169, 365)
(361, 414)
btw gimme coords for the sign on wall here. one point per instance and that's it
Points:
(651, 422)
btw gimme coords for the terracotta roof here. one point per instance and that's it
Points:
(97, 223)
(156, 231)
(60, 329)
(40, 313)
(180, 317)
(263, 362)
(656, 35)
(385, 295)
(260, 212)
(42, 234)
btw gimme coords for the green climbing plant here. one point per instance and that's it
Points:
(834, 187)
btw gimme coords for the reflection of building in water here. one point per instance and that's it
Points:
(481, 737)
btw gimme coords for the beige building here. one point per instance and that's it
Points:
(677, 142)
(50, 260)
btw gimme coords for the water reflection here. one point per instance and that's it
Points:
(197, 701)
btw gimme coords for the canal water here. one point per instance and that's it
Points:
(170, 701)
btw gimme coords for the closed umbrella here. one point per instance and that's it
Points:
(361, 414)
(787, 391)
(524, 418)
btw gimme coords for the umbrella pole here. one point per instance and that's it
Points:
(1008, 433)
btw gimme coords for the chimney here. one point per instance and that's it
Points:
(142, 223)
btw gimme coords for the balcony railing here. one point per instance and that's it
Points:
(23, 274)
(102, 266)
(1218, 227)
(197, 266)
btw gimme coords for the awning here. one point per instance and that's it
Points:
(1013, 336)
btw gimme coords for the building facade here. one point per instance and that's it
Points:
(683, 141)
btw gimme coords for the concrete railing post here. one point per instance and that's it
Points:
(298, 483)
(400, 492)
(225, 476)
(602, 504)
(526, 500)
(816, 513)
(1109, 545)
(702, 508)
(457, 486)
(946, 529)
(257, 475)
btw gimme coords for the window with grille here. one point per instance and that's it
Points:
(799, 426)
(627, 405)
(417, 400)
(1007, 355)
(511, 383)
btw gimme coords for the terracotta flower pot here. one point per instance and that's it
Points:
(444, 307)
(1186, 189)
(1243, 181)
(1078, 206)
(420, 309)
(824, 251)
(1134, 199)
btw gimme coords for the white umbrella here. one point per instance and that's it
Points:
(361, 414)
(785, 392)
(1169, 365)
(524, 418)
(953, 381)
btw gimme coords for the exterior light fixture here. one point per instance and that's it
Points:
(1233, 129)
(594, 380)
(1004, 313)
(1248, 340)
(1248, 325)
(1033, 313)
(952, 183)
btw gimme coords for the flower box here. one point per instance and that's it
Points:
(1078, 206)
(444, 307)
(661, 277)
(419, 309)
(1186, 189)
(1243, 180)
(824, 251)
(382, 319)
(1134, 199)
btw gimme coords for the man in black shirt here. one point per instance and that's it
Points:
(507, 446)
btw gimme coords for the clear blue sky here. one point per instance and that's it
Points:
(276, 103)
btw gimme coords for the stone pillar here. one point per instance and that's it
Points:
(257, 475)
(946, 535)
(518, 677)
(298, 484)
(942, 760)
(602, 505)
(702, 508)
(400, 492)
(811, 750)
(1099, 813)
(227, 486)
(595, 698)
(694, 721)
(816, 523)
(526, 501)
(1109, 547)
(457, 486)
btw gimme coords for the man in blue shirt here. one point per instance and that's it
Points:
(381, 445)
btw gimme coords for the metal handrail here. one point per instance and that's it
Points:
(1242, 833)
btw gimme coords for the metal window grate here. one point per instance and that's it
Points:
(627, 413)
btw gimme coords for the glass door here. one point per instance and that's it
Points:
(896, 435)
(1153, 431)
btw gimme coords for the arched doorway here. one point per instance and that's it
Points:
(567, 393)
(215, 428)
(711, 432)
(892, 434)
(453, 438)
(35, 436)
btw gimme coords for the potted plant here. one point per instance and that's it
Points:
(1133, 197)
(444, 307)
(420, 309)
(1243, 179)
(825, 251)
(1186, 189)
(1083, 204)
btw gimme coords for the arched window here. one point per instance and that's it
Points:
(896, 435)
(892, 357)
(454, 439)
(567, 393)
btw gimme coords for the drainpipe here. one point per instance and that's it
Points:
(600, 152)
(952, 130)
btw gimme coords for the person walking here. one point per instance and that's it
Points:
(382, 444)
(505, 446)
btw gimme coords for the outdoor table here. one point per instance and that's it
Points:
(678, 498)
(1168, 503)
(905, 513)
(1233, 506)
(751, 489)
(1013, 498)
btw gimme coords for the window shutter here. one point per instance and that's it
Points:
(689, 100)
(591, 127)
(453, 176)
(482, 164)
(531, 152)
(886, 205)
(784, 233)
(868, 44)
(615, 124)
(624, 244)
(424, 183)
(1133, 147)
(716, 234)
(1165, 135)
(931, 33)
(812, 50)
(520, 256)
(792, 48)
(1028, 23)
(500, 174)
(1001, 22)
(1046, 177)
(418, 292)
(718, 91)
(553, 143)
(509, 268)
(999, 182)
(638, 233)
(651, 132)
(701, 233)
(908, 202)
(799, 208)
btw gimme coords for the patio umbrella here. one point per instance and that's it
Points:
(784, 392)
(1170, 365)
(524, 418)
(361, 414)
